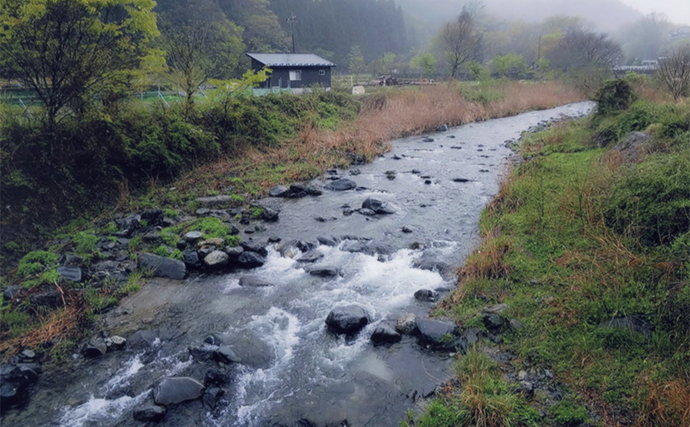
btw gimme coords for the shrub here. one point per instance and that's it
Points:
(613, 96)
(652, 200)
(35, 262)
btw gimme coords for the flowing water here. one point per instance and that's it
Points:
(298, 370)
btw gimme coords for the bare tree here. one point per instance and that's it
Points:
(674, 72)
(585, 49)
(460, 39)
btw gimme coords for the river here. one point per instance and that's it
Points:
(298, 372)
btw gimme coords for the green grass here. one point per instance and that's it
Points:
(574, 240)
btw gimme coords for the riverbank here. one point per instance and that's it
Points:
(580, 285)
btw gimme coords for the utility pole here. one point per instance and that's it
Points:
(539, 51)
(292, 19)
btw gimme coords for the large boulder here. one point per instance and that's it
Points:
(377, 206)
(250, 260)
(342, 184)
(347, 319)
(270, 215)
(73, 274)
(174, 390)
(149, 413)
(437, 333)
(216, 259)
(385, 334)
(163, 267)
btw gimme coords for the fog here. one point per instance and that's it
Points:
(604, 15)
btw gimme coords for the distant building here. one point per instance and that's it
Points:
(293, 72)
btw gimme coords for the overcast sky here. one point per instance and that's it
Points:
(675, 10)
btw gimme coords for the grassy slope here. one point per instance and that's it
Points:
(576, 238)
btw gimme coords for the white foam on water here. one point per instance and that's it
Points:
(279, 329)
(122, 376)
(99, 410)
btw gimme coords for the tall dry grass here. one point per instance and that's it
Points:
(383, 118)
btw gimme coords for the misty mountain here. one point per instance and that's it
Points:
(605, 15)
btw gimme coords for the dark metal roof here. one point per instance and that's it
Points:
(291, 60)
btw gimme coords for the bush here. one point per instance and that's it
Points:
(613, 96)
(652, 200)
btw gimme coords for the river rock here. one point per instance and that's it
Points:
(324, 271)
(632, 323)
(10, 292)
(250, 260)
(347, 319)
(142, 339)
(234, 252)
(14, 384)
(427, 295)
(279, 191)
(216, 259)
(270, 215)
(257, 247)
(73, 274)
(128, 225)
(313, 190)
(249, 349)
(385, 334)
(437, 333)
(496, 309)
(115, 342)
(254, 282)
(311, 256)
(216, 377)
(406, 324)
(216, 242)
(380, 207)
(215, 201)
(191, 258)
(342, 184)
(163, 267)
(149, 413)
(96, 347)
(442, 128)
(174, 390)
(225, 354)
(493, 321)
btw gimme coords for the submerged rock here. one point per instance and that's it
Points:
(311, 256)
(259, 248)
(347, 319)
(149, 413)
(324, 271)
(254, 282)
(385, 334)
(174, 390)
(142, 339)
